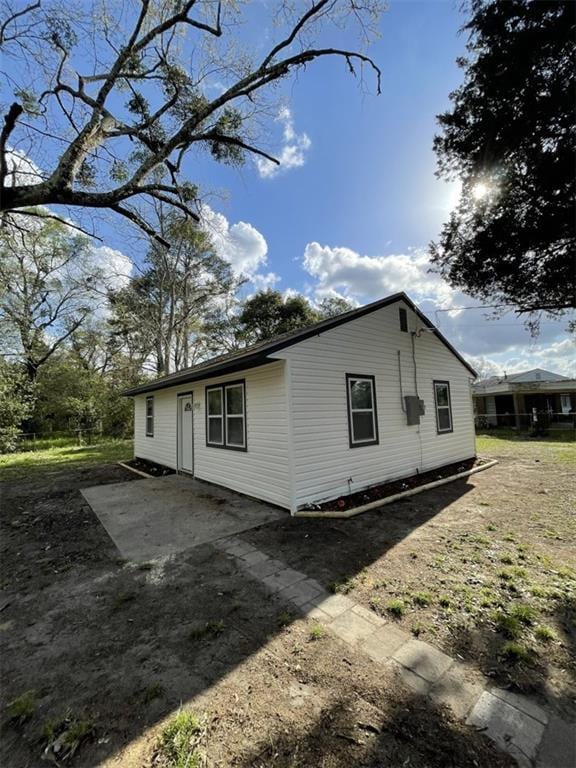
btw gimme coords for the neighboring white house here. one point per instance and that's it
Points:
(372, 395)
(510, 400)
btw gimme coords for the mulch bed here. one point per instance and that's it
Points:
(396, 486)
(150, 467)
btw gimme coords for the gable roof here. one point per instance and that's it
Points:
(524, 377)
(258, 354)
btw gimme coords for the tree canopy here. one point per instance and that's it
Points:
(509, 137)
(110, 97)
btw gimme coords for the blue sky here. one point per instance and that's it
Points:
(356, 203)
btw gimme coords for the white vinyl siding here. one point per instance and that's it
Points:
(323, 460)
(263, 469)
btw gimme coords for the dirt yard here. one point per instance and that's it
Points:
(485, 568)
(98, 654)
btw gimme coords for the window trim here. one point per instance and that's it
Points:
(375, 440)
(224, 416)
(439, 431)
(403, 319)
(149, 432)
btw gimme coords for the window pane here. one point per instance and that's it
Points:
(235, 431)
(444, 418)
(149, 407)
(362, 427)
(215, 401)
(214, 429)
(441, 394)
(234, 400)
(360, 393)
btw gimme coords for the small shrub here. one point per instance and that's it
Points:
(422, 598)
(21, 708)
(342, 587)
(64, 737)
(507, 560)
(209, 629)
(546, 634)
(178, 743)
(153, 692)
(375, 603)
(396, 607)
(524, 613)
(508, 625)
(317, 632)
(514, 653)
(445, 601)
(285, 619)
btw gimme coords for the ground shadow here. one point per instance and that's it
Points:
(120, 646)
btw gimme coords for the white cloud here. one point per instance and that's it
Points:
(293, 150)
(240, 244)
(114, 266)
(21, 169)
(492, 344)
(342, 271)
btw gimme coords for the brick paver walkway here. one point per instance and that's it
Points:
(534, 736)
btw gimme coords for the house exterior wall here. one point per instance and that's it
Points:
(323, 460)
(263, 470)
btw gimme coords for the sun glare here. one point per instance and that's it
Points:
(481, 190)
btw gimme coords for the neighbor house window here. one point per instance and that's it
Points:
(565, 403)
(443, 406)
(362, 418)
(226, 416)
(150, 417)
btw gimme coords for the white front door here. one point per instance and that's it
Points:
(185, 443)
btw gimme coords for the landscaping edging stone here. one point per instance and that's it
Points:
(517, 724)
(335, 513)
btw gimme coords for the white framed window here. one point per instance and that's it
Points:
(226, 416)
(362, 415)
(565, 403)
(150, 416)
(443, 405)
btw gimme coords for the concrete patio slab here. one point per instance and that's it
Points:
(161, 516)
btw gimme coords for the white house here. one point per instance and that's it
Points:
(510, 400)
(372, 395)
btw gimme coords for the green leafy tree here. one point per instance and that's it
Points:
(269, 313)
(118, 102)
(160, 314)
(17, 397)
(509, 137)
(49, 285)
(331, 306)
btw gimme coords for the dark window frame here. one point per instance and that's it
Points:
(224, 444)
(403, 316)
(362, 443)
(149, 432)
(445, 383)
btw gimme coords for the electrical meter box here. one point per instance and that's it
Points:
(413, 409)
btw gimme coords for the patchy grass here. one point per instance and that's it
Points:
(546, 634)
(178, 743)
(317, 632)
(21, 708)
(515, 653)
(209, 630)
(153, 692)
(14, 466)
(396, 607)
